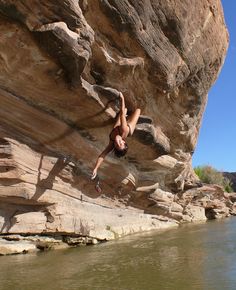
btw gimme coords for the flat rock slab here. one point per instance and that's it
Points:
(11, 247)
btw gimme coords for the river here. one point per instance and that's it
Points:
(192, 257)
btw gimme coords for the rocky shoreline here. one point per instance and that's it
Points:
(22, 244)
(195, 205)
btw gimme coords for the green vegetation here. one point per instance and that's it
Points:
(210, 175)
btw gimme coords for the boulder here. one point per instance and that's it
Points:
(194, 214)
(232, 197)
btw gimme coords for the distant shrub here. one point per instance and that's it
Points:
(208, 174)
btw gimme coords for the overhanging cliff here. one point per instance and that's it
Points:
(57, 59)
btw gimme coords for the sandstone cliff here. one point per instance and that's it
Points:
(57, 59)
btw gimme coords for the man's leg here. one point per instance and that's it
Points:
(133, 119)
(118, 121)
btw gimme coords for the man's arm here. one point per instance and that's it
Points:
(101, 158)
(123, 111)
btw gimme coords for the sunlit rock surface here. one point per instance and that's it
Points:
(57, 58)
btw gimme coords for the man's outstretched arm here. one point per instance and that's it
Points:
(101, 158)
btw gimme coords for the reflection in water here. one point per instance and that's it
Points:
(192, 257)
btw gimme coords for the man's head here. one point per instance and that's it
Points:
(120, 146)
(121, 152)
(119, 143)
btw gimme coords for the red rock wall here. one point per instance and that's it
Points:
(57, 58)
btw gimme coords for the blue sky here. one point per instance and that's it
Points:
(217, 140)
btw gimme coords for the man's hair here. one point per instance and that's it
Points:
(122, 152)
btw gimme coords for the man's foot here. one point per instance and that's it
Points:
(97, 186)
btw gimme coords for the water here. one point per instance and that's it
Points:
(193, 257)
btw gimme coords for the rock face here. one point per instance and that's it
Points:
(57, 58)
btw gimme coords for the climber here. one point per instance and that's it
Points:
(121, 130)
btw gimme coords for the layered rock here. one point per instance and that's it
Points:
(57, 60)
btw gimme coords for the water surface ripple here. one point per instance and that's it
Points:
(192, 257)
